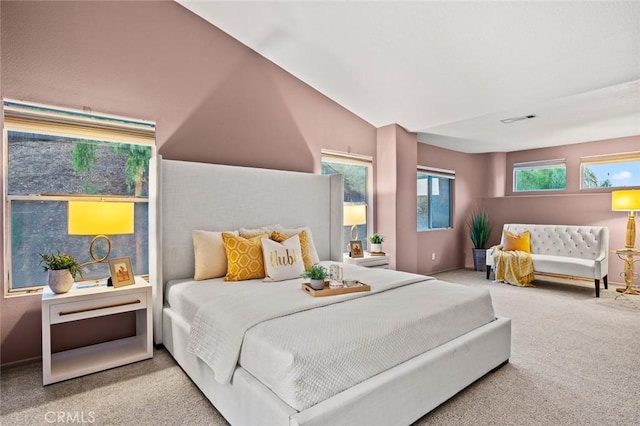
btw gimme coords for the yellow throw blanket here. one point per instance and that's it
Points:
(514, 267)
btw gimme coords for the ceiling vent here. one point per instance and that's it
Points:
(514, 119)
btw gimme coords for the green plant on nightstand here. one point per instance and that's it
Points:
(376, 242)
(316, 275)
(62, 268)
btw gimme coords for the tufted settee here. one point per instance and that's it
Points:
(575, 251)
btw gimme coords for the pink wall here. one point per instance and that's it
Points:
(570, 207)
(395, 190)
(213, 99)
(452, 247)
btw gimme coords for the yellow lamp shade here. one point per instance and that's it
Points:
(625, 200)
(100, 217)
(355, 214)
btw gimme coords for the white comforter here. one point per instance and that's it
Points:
(219, 326)
(306, 355)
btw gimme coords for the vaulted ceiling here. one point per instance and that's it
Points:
(451, 71)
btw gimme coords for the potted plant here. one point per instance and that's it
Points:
(376, 242)
(316, 274)
(63, 269)
(479, 230)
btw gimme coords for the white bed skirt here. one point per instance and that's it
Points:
(398, 396)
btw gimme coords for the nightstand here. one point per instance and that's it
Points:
(89, 302)
(369, 261)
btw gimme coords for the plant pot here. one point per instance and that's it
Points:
(376, 248)
(60, 280)
(317, 284)
(479, 259)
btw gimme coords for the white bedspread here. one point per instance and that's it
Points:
(219, 326)
(310, 356)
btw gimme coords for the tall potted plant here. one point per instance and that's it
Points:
(479, 230)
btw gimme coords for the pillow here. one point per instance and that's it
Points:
(209, 254)
(282, 261)
(517, 242)
(309, 253)
(244, 257)
(250, 233)
(278, 236)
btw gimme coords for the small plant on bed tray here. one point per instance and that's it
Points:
(316, 275)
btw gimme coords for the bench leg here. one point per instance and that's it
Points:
(606, 284)
(597, 288)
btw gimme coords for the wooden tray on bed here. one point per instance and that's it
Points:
(326, 291)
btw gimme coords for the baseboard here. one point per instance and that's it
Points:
(19, 363)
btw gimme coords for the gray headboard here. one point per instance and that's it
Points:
(215, 197)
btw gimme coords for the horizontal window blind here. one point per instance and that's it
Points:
(34, 118)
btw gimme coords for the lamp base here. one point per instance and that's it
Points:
(630, 240)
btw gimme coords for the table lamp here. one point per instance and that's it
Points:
(627, 200)
(100, 218)
(354, 215)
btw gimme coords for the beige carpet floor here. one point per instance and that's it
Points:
(575, 361)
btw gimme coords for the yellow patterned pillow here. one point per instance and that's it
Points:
(305, 247)
(244, 257)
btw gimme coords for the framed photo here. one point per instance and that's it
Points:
(355, 246)
(121, 272)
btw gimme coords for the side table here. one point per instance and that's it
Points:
(369, 261)
(627, 255)
(89, 302)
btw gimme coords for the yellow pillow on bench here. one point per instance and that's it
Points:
(520, 242)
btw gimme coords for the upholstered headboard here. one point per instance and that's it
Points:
(212, 197)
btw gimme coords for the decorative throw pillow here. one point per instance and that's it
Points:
(209, 254)
(520, 242)
(309, 253)
(278, 236)
(244, 257)
(282, 261)
(250, 233)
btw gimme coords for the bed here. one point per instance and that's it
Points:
(269, 353)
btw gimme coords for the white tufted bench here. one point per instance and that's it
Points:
(575, 251)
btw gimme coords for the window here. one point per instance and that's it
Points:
(358, 184)
(610, 171)
(435, 195)
(540, 176)
(54, 156)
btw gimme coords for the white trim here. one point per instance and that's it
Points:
(542, 163)
(623, 157)
(433, 171)
(362, 161)
(345, 155)
(31, 117)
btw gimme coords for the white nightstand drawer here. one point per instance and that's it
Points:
(99, 306)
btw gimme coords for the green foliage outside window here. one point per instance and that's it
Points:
(541, 179)
(355, 180)
(590, 180)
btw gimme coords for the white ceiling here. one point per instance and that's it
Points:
(451, 70)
